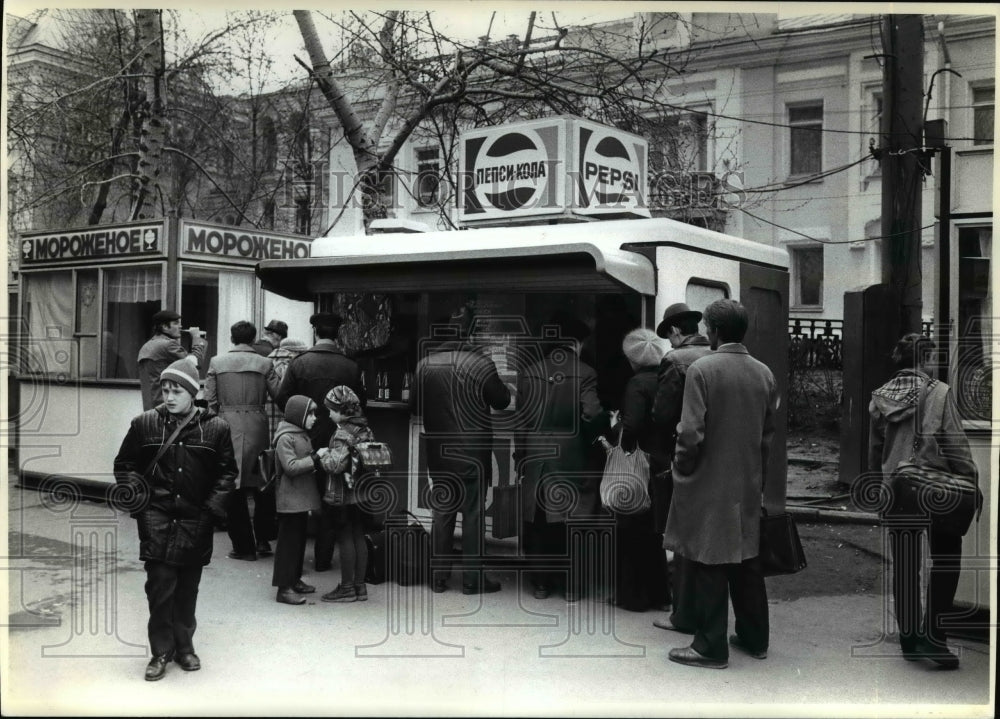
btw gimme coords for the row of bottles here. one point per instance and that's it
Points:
(385, 390)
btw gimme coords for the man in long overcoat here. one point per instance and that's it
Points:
(559, 466)
(723, 442)
(313, 374)
(236, 387)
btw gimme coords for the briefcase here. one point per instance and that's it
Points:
(780, 546)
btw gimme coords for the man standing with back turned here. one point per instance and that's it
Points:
(723, 441)
(680, 328)
(456, 386)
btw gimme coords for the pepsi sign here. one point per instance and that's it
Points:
(511, 172)
(554, 167)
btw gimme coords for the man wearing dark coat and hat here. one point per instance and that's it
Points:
(271, 337)
(160, 350)
(175, 495)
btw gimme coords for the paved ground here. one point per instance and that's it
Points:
(78, 642)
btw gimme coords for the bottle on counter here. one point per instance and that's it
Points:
(405, 394)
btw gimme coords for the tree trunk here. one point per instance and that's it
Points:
(153, 132)
(364, 150)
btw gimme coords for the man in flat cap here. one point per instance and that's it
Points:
(680, 327)
(271, 337)
(314, 373)
(160, 351)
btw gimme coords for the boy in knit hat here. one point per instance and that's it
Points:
(175, 470)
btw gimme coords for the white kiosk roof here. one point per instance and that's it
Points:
(603, 249)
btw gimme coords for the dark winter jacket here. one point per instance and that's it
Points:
(314, 373)
(175, 503)
(670, 393)
(637, 422)
(455, 388)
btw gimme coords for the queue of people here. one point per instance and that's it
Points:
(699, 406)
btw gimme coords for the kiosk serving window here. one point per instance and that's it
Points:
(213, 300)
(389, 333)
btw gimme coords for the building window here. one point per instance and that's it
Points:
(874, 128)
(427, 190)
(680, 143)
(973, 380)
(806, 147)
(982, 115)
(807, 276)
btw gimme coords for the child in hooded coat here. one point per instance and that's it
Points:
(297, 495)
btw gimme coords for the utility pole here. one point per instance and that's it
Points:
(902, 170)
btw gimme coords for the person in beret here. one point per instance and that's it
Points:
(163, 348)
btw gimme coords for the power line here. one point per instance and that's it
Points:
(828, 242)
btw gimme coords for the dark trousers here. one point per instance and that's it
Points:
(244, 533)
(454, 493)
(714, 585)
(946, 564)
(290, 551)
(350, 533)
(172, 594)
(684, 598)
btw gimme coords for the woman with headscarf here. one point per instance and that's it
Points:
(641, 573)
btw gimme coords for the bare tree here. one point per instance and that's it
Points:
(418, 81)
(133, 123)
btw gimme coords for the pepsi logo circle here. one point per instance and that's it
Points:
(609, 171)
(511, 172)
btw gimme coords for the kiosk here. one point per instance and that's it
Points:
(615, 275)
(87, 297)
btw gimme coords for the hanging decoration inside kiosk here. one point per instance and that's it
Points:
(92, 243)
(553, 167)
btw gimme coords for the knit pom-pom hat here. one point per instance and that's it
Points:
(297, 408)
(184, 373)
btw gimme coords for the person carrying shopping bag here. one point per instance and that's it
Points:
(915, 421)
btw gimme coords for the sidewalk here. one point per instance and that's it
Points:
(81, 646)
